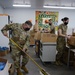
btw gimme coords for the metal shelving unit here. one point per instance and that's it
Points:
(48, 52)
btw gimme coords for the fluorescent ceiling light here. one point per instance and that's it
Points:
(58, 7)
(17, 5)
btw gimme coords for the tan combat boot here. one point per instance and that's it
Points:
(25, 69)
(19, 72)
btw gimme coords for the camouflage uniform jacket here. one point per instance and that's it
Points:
(61, 42)
(19, 35)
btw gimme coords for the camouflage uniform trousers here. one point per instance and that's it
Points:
(61, 45)
(16, 55)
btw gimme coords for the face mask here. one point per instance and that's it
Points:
(50, 23)
(65, 23)
(27, 29)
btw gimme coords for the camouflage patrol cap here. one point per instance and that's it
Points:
(28, 22)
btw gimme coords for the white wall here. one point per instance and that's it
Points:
(3, 40)
(70, 14)
(1, 10)
(21, 15)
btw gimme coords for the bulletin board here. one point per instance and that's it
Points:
(41, 16)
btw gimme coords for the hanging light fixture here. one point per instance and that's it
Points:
(22, 3)
(58, 7)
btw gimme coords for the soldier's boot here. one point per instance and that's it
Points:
(25, 69)
(19, 72)
(58, 63)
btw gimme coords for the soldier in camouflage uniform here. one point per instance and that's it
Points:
(52, 27)
(61, 41)
(20, 34)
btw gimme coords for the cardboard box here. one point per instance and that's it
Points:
(73, 34)
(5, 70)
(3, 53)
(71, 41)
(47, 37)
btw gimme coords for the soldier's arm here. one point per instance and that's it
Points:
(27, 43)
(60, 32)
(5, 29)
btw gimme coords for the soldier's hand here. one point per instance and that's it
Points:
(68, 37)
(5, 34)
(24, 49)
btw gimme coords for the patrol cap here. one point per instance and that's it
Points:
(28, 22)
(64, 19)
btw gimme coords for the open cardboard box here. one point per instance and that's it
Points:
(47, 37)
(5, 70)
(3, 53)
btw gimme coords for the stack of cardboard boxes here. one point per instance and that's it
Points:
(71, 44)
